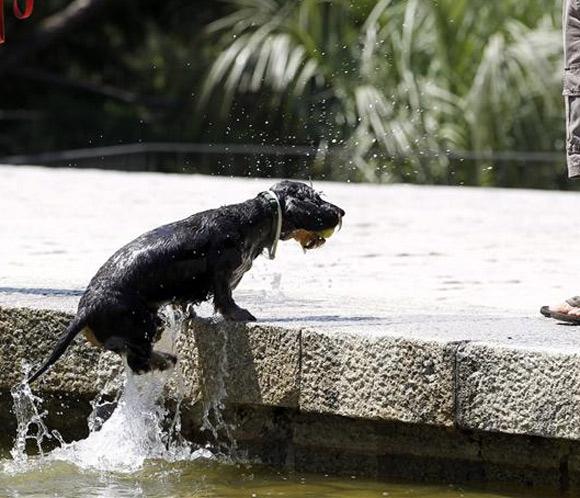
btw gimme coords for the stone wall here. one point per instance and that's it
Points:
(339, 403)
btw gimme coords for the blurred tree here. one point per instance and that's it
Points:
(399, 82)
(48, 30)
(78, 75)
(389, 89)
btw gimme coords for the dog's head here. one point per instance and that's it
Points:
(306, 217)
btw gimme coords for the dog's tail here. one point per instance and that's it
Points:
(77, 324)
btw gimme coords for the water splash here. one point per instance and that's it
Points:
(176, 321)
(141, 427)
(136, 431)
(30, 425)
(215, 393)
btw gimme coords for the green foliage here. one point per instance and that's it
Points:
(389, 90)
(144, 61)
(401, 83)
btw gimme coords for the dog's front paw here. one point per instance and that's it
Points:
(239, 315)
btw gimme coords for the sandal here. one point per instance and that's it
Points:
(573, 301)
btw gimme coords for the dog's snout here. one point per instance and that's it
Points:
(338, 212)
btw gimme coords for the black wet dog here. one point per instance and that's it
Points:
(187, 262)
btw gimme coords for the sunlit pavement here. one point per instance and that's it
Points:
(403, 249)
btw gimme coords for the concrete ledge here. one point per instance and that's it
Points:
(518, 391)
(340, 402)
(379, 378)
(255, 365)
(389, 377)
(27, 335)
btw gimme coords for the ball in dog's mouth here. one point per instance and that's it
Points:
(312, 240)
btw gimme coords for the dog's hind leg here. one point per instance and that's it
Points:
(141, 358)
(129, 328)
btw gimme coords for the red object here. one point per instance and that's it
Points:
(2, 37)
(28, 8)
(19, 14)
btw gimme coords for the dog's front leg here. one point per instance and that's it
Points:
(225, 304)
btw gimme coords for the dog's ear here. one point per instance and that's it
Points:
(295, 214)
(294, 198)
(287, 187)
(298, 208)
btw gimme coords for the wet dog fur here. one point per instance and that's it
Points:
(188, 261)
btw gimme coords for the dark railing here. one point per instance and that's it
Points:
(505, 168)
(252, 149)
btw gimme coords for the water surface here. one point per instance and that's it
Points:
(205, 479)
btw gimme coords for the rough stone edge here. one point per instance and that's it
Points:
(296, 379)
(383, 378)
(266, 357)
(30, 335)
(517, 391)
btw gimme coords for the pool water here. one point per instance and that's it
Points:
(197, 479)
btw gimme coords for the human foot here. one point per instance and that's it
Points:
(568, 311)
